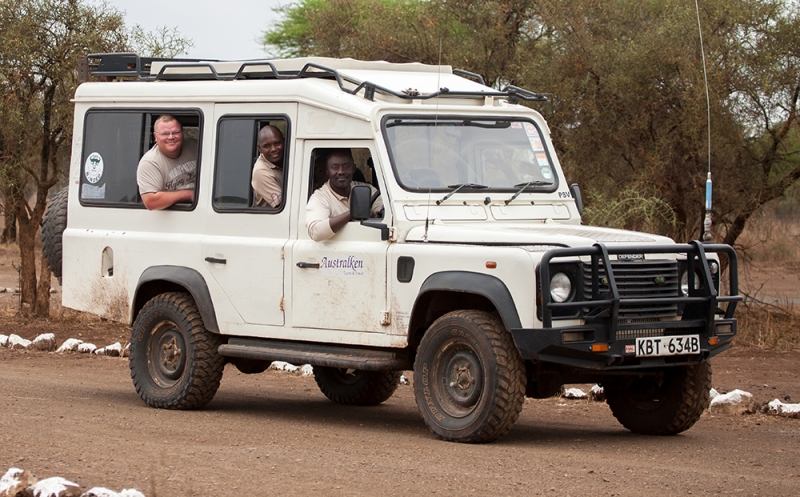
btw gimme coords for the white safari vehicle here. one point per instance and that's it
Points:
(478, 275)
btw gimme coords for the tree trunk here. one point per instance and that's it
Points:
(42, 306)
(10, 229)
(27, 253)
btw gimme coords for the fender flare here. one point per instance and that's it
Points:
(189, 279)
(484, 285)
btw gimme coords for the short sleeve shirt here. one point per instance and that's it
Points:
(267, 183)
(159, 173)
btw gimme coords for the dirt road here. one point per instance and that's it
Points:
(79, 417)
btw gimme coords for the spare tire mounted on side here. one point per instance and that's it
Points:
(53, 225)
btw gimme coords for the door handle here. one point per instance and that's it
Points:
(214, 260)
(308, 265)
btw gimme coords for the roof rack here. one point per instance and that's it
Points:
(131, 65)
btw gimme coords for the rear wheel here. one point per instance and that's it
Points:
(174, 361)
(667, 403)
(469, 379)
(355, 387)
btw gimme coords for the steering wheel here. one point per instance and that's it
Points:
(372, 201)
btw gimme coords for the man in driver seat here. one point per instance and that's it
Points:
(328, 209)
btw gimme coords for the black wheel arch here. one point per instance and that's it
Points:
(160, 279)
(448, 291)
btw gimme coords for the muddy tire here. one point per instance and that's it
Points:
(665, 404)
(354, 387)
(469, 379)
(174, 361)
(53, 225)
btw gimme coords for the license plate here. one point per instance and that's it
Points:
(666, 346)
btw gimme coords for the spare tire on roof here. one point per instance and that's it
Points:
(53, 225)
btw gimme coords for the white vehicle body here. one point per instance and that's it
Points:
(370, 287)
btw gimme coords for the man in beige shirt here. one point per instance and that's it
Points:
(328, 209)
(267, 180)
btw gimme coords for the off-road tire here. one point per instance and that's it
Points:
(666, 404)
(53, 225)
(174, 360)
(469, 379)
(354, 387)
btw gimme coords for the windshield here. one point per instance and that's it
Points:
(440, 154)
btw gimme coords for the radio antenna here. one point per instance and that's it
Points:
(435, 122)
(707, 220)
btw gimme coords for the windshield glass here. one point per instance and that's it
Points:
(441, 154)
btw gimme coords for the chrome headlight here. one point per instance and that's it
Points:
(685, 283)
(560, 287)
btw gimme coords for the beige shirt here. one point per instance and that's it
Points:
(158, 173)
(267, 183)
(325, 204)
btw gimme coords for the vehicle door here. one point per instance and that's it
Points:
(244, 243)
(339, 283)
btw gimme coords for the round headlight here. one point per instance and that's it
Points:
(560, 287)
(685, 283)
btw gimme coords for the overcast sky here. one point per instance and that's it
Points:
(220, 29)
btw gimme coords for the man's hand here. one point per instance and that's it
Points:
(161, 200)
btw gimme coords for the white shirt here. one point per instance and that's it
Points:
(325, 204)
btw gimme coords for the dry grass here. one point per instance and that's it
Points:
(9, 310)
(771, 235)
(768, 326)
(770, 317)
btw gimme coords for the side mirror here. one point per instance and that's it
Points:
(576, 194)
(360, 202)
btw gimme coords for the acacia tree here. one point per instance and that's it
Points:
(629, 109)
(40, 42)
(627, 97)
(163, 42)
(482, 37)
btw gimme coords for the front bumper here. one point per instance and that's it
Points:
(547, 345)
(606, 340)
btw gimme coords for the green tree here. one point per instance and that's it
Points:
(40, 42)
(479, 36)
(629, 108)
(627, 96)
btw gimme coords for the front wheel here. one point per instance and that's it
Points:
(174, 360)
(469, 379)
(354, 387)
(666, 403)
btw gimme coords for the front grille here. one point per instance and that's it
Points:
(641, 280)
(639, 333)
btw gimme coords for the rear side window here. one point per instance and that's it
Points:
(244, 180)
(113, 143)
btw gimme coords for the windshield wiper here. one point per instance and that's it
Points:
(473, 186)
(525, 187)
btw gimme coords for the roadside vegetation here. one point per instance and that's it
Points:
(771, 245)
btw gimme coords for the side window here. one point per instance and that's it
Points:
(114, 142)
(364, 171)
(249, 172)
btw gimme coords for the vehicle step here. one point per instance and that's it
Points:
(314, 354)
